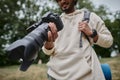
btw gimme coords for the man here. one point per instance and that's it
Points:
(68, 60)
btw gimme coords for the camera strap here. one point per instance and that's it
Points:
(85, 18)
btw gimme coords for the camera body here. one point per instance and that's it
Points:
(27, 48)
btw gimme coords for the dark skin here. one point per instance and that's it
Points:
(68, 7)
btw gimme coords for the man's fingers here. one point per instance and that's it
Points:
(50, 37)
(84, 27)
(53, 30)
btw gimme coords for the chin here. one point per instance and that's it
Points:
(66, 10)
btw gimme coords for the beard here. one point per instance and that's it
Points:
(67, 7)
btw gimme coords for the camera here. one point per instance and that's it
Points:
(27, 48)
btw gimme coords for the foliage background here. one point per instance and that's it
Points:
(17, 15)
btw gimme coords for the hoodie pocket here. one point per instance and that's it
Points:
(85, 68)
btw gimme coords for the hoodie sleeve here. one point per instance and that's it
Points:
(48, 52)
(105, 38)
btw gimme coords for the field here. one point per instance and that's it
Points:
(115, 66)
(38, 72)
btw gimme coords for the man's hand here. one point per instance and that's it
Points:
(52, 35)
(83, 26)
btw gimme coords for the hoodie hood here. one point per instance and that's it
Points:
(72, 14)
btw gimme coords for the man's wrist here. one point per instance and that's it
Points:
(48, 45)
(94, 33)
(48, 52)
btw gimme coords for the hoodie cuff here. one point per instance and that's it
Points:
(48, 52)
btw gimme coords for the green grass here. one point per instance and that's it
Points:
(38, 72)
(35, 72)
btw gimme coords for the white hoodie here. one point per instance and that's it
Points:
(70, 62)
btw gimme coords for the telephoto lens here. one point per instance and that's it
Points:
(27, 48)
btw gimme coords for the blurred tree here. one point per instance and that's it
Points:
(8, 19)
(17, 15)
(102, 11)
(115, 28)
(85, 4)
